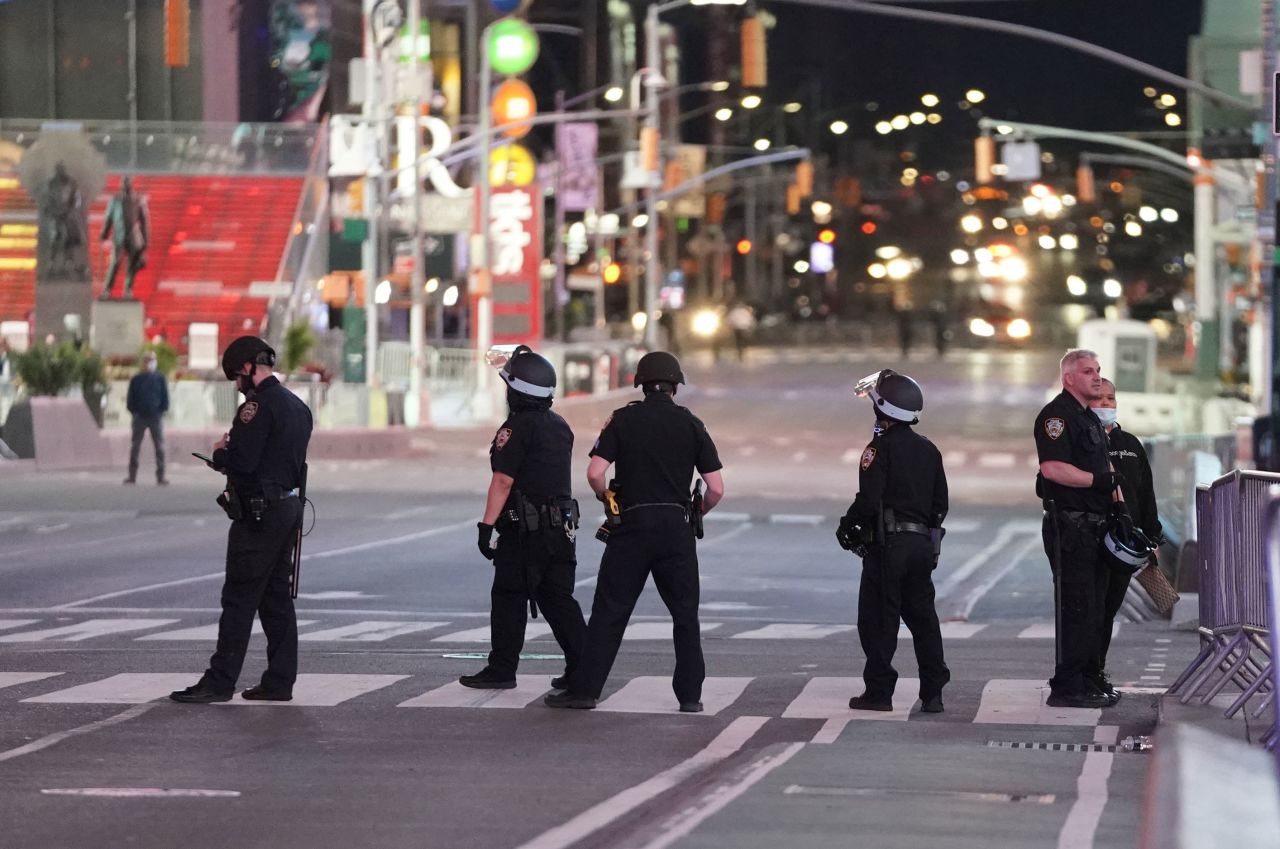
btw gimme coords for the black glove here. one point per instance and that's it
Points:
(1105, 481)
(849, 535)
(485, 540)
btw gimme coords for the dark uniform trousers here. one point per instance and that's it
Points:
(545, 561)
(654, 540)
(897, 582)
(259, 571)
(1081, 582)
(1116, 586)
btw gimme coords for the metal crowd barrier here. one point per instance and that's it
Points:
(1271, 535)
(1235, 620)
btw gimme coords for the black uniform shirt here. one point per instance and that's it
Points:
(902, 471)
(535, 447)
(268, 442)
(656, 445)
(1129, 458)
(1069, 432)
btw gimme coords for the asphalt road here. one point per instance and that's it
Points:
(108, 600)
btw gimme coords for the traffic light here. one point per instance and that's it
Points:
(1086, 190)
(984, 157)
(513, 101)
(868, 227)
(754, 63)
(827, 236)
(715, 208)
(793, 199)
(804, 178)
(744, 246)
(612, 273)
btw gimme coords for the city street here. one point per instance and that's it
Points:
(110, 600)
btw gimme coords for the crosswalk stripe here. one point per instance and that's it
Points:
(1022, 702)
(13, 679)
(652, 694)
(790, 631)
(1046, 631)
(660, 630)
(828, 698)
(528, 689)
(204, 633)
(85, 630)
(6, 624)
(318, 689)
(959, 630)
(369, 631)
(532, 631)
(126, 688)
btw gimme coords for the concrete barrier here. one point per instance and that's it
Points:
(66, 436)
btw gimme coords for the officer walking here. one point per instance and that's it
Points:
(531, 506)
(1075, 483)
(895, 523)
(656, 445)
(147, 402)
(1129, 459)
(265, 459)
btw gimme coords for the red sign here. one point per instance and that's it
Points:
(515, 251)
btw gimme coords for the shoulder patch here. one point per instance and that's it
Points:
(868, 457)
(248, 411)
(502, 438)
(607, 422)
(1054, 427)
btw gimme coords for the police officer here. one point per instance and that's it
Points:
(896, 523)
(1076, 482)
(531, 506)
(656, 445)
(264, 458)
(1129, 459)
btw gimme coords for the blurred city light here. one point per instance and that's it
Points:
(1167, 100)
(999, 222)
(826, 236)
(884, 128)
(1111, 288)
(933, 118)
(930, 100)
(900, 122)
(382, 293)
(450, 296)
(981, 327)
(801, 266)
(762, 144)
(1148, 213)
(877, 270)
(1173, 119)
(638, 321)
(1076, 286)
(1013, 269)
(720, 85)
(916, 117)
(1047, 242)
(899, 268)
(971, 223)
(751, 101)
(821, 211)
(974, 95)
(1068, 241)
(724, 113)
(640, 221)
(613, 94)
(1132, 228)
(888, 252)
(792, 107)
(706, 323)
(959, 256)
(1169, 215)
(1032, 205)
(432, 285)
(839, 127)
(1019, 328)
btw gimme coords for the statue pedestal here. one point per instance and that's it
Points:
(63, 309)
(117, 328)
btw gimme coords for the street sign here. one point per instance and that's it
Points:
(512, 165)
(513, 46)
(515, 244)
(691, 161)
(576, 145)
(443, 214)
(1021, 161)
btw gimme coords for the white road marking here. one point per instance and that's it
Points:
(126, 688)
(532, 631)
(723, 516)
(412, 511)
(718, 797)
(13, 679)
(660, 630)
(789, 631)
(950, 630)
(325, 690)
(86, 630)
(971, 598)
(652, 694)
(1045, 631)
(796, 519)
(963, 526)
(336, 595)
(997, 461)
(369, 631)
(954, 458)
(997, 547)
(6, 624)
(528, 689)
(828, 698)
(1022, 702)
(57, 737)
(1081, 825)
(799, 456)
(727, 743)
(203, 632)
(141, 792)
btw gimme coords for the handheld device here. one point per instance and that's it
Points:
(200, 456)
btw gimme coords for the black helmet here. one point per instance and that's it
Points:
(1124, 547)
(246, 349)
(529, 373)
(658, 366)
(895, 396)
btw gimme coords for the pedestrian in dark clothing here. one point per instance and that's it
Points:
(265, 460)
(1129, 459)
(148, 401)
(530, 503)
(656, 445)
(894, 522)
(1076, 483)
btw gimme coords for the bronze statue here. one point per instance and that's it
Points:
(63, 218)
(128, 226)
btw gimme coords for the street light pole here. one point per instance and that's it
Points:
(418, 309)
(483, 302)
(652, 60)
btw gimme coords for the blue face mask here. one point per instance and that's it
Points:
(1106, 415)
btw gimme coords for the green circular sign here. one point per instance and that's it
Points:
(513, 46)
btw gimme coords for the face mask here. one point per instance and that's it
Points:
(1106, 415)
(151, 365)
(244, 382)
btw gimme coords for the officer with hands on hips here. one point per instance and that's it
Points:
(531, 506)
(1075, 483)
(895, 524)
(656, 445)
(264, 458)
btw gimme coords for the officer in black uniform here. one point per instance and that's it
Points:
(895, 523)
(264, 458)
(1129, 459)
(656, 445)
(531, 506)
(1076, 482)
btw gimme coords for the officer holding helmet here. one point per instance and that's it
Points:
(264, 458)
(656, 445)
(895, 524)
(530, 504)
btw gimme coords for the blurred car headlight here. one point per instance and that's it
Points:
(706, 323)
(1019, 328)
(981, 327)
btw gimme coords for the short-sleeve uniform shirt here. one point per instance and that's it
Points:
(1069, 432)
(535, 448)
(656, 445)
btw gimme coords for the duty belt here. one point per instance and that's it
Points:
(907, 528)
(1083, 516)
(678, 505)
